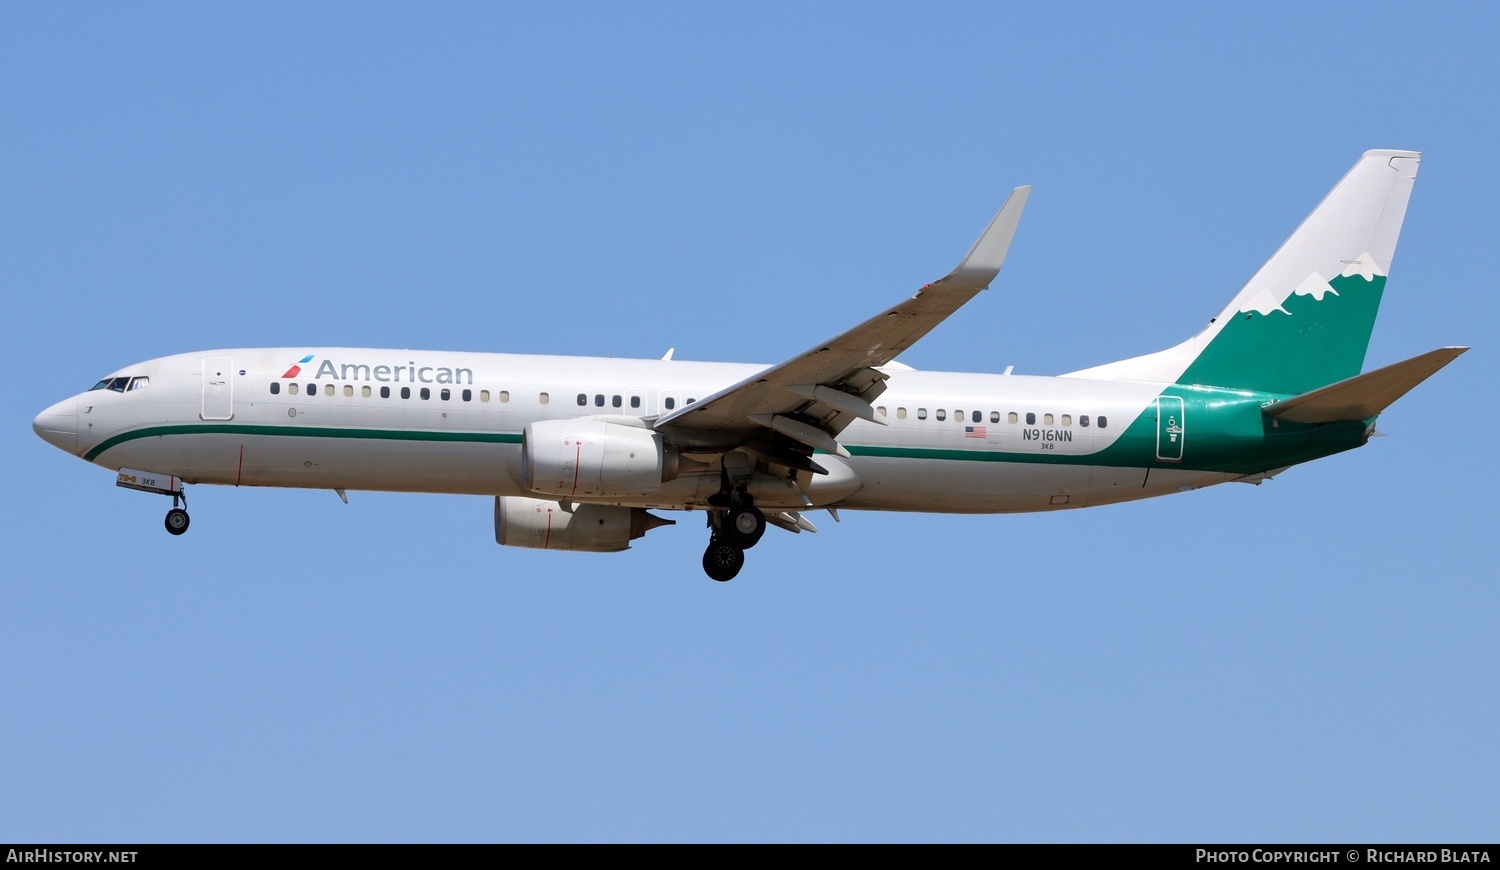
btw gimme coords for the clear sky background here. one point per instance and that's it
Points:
(1314, 659)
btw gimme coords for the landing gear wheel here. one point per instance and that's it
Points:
(743, 526)
(177, 521)
(722, 560)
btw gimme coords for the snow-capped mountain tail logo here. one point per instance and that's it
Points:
(1298, 336)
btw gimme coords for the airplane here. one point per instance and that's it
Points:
(577, 451)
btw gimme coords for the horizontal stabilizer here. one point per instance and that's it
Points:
(1363, 396)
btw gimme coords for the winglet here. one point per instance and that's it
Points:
(984, 260)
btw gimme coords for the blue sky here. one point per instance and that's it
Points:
(1313, 659)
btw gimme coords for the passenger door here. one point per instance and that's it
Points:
(218, 388)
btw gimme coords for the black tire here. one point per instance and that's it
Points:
(722, 560)
(177, 521)
(743, 526)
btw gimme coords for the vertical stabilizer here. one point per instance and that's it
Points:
(1304, 319)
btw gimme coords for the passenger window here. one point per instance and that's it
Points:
(1030, 419)
(616, 401)
(691, 401)
(291, 389)
(669, 403)
(275, 388)
(445, 394)
(406, 392)
(484, 395)
(958, 416)
(599, 400)
(328, 389)
(385, 392)
(312, 389)
(468, 395)
(1012, 417)
(1083, 420)
(921, 413)
(978, 417)
(426, 394)
(543, 398)
(1046, 419)
(994, 416)
(900, 413)
(941, 414)
(635, 401)
(1067, 419)
(583, 399)
(364, 392)
(880, 410)
(1103, 421)
(348, 391)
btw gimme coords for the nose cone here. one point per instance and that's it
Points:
(58, 425)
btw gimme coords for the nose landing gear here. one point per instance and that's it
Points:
(177, 521)
(177, 518)
(161, 484)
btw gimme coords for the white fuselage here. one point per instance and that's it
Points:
(212, 417)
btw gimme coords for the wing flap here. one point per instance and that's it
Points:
(1363, 396)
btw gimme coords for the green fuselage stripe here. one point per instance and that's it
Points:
(304, 432)
(1223, 447)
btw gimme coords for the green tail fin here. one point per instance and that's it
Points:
(1304, 320)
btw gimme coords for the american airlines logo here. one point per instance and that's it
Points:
(296, 369)
(410, 373)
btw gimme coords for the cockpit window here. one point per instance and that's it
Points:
(138, 384)
(116, 384)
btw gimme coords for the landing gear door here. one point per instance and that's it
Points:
(218, 388)
(1171, 429)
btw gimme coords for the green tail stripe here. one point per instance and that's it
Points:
(1312, 343)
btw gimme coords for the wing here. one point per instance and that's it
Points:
(784, 412)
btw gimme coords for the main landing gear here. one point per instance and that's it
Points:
(735, 528)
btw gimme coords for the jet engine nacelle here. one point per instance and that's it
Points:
(594, 459)
(592, 528)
